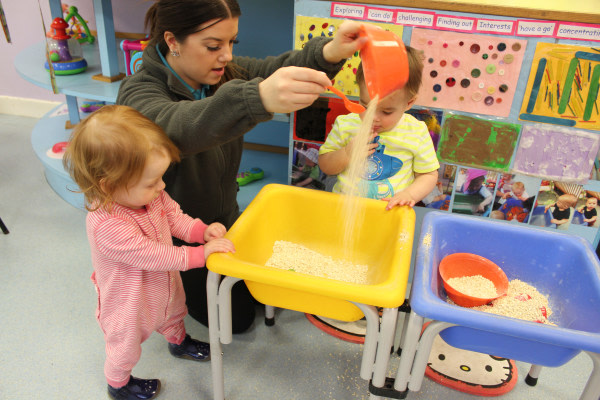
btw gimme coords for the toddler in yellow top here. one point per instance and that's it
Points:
(402, 164)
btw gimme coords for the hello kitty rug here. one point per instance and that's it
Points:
(462, 370)
(470, 372)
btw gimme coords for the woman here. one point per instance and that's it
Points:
(206, 100)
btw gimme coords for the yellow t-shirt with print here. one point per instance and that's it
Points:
(409, 141)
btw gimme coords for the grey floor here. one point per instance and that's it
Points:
(52, 348)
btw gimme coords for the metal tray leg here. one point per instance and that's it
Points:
(532, 377)
(410, 338)
(269, 315)
(592, 388)
(370, 345)
(216, 363)
(422, 355)
(225, 308)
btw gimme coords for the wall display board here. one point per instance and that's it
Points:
(511, 105)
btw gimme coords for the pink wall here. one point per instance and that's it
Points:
(24, 22)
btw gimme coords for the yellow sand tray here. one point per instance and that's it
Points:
(313, 218)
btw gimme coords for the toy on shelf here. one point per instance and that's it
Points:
(64, 52)
(133, 50)
(88, 106)
(57, 150)
(78, 29)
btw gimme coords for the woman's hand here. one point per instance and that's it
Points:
(292, 88)
(345, 43)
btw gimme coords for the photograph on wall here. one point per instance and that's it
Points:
(562, 88)
(440, 196)
(556, 204)
(314, 122)
(433, 120)
(586, 216)
(474, 192)
(586, 210)
(515, 197)
(305, 167)
(309, 27)
(476, 142)
(556, 153)
(468, 72)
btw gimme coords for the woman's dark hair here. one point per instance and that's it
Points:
(183, 18)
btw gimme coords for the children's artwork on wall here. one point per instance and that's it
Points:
(514, 199)
(556, 152)
(468, 72)
(309, 27)
(433, 120)
(477, 142)
(556, 203)
(314, 122)
(563, 86)
(440, 196)
(474, 191)
(595, 174)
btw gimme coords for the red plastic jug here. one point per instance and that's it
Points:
(384, 60)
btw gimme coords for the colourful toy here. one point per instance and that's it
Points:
(57, 150)
(133, 50)
(64, 53)
(78, 29)
(88, 106)
(254, 174)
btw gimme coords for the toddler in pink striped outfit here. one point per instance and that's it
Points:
(118, 157)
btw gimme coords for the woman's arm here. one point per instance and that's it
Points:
(194, 125)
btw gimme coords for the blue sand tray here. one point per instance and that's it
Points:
(563, 267)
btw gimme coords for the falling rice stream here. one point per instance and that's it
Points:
(351, 210)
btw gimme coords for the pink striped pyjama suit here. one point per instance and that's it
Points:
(136, 274)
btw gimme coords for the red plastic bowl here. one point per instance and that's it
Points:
(458, 265)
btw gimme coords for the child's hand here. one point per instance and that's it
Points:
(480, 208)
(506, 195)
(220, 245)
(214, 231)
(368, 151)
(402, 198)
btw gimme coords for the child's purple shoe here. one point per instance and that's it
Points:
(191, 349)
(136, 389)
